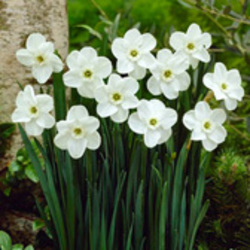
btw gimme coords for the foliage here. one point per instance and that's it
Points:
(227, 223)
(6, 243)
(6, 130)
(19, 169)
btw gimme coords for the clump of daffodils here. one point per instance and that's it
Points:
(117, 92)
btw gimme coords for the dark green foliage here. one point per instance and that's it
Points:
(6, 130)
(19, 169)
(227, 223)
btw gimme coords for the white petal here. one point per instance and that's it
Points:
(202, 55)
(34, 41)
(45, 120)
(19, 115)
(56, 63)
(179, 62)
(230, 104)
(236, 93)
(164, 55)
(144, 109)
(135, 124)
(177, 40)
(90, 124)
(72, 79)
(147, 61)
(198, 135)
(87, 89)
(156, 106)
(72, 60)
(218, 115)
(89, 53)
(77, 147)
(193, 31)
(64, 126)
(194, 62)
(29, 94)
(45, 102)
(151, 138)
(169, 118)
(101, 95)
(208, 80)
(130, 102)
(218, 135)
(138, 73)
(205, 40)
(233, 77)
(121, 115)
(46, 48)
(165, 135)
(119, 49)
(25, 57)
(148, 42)
(94, 141)
(103, 67)
(202, 110)
(209, 145)
(153, 86)
(132, 35)
(32, 128)
(42, 73)
(220, 72)
(169, 91)
(189, 120)
(114, 80)
(106, 109)
(77, 112)
(131, 86)
(124, 66)
(184, 81)
(61, 140)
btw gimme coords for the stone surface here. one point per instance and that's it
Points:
(18, 19)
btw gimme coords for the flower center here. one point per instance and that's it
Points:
(207, 125)
(77, 131)
(116, 97)
(40, 59)
(190, 46)
(153, 122)
(224, 86)
(134, 53)
(87, 73)
(167, 73)
(33, 110)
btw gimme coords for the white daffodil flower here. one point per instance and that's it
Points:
(194, 44)
(154, 121)
(169, 74)
(33, 110)
(117, 97)
(206, 125)
(78, 132)
(39, 55)
(225, 84)
(133, 53)
(87, 71)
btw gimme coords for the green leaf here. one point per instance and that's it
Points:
(31, 173)
(38, 224)
(17, 247)
(91, 30)
(5, 241)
